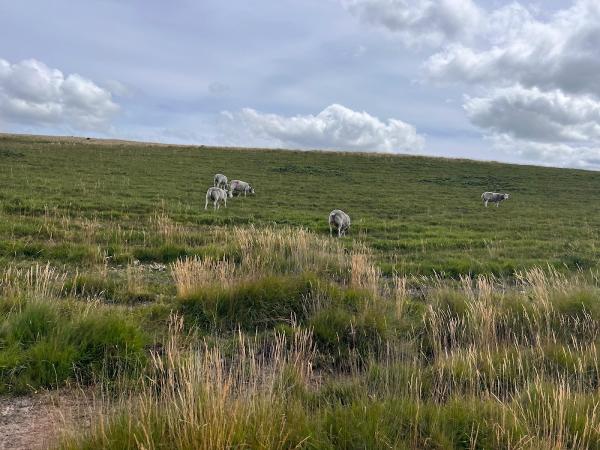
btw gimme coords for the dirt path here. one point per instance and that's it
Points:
(34, 422)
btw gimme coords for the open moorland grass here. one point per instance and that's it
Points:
(436, 323)
(419, 215)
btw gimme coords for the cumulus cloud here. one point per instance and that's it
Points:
(32, 93)
(116, 88)
(578, 155)
(516, 47)
(336, 128)
(532, 114)
(536, 76)
(548, 127)
(418, 21)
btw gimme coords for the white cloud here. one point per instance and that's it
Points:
(419, 21)
(31, 93)
(585, 156)
(535, 77)
(116, 88)
(541, 92)
(336, 128)
(548, 127)
(516, 47)
(532, 114)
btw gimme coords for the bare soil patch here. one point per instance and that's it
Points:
(36, 421)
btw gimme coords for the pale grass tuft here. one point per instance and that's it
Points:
(399, 295)
(37, 282)
(205, 401)
(90, 229)
(483, 312)
(285, 250)
(262, 252)
(104, 259)
(170, 231)
(364, 274)
(192, 274)
(543, 282)
(135, 278)
(548, 421)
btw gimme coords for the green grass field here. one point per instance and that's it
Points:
(436, 323)
(420, 215)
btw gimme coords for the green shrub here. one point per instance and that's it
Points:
(48, 363)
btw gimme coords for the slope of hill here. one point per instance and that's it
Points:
(418, 214)
(437, 323)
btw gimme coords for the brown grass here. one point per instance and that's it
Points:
(192, 274)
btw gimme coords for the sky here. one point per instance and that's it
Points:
(493, 80)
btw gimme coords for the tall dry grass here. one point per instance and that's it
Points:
(168, 230)
(192, 274)
(261, 394)
(197, 398)
(364, 274)
(478, 362)
(36, 282)
(267, 251)
(286, 250)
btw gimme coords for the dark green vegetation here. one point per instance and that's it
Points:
(436, 323)
(477, 366)
(45, 344)
(420, 215)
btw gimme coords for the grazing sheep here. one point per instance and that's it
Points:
(493, 197)
(220, 181)
(241, 186)
(217, 196)
(339, 220)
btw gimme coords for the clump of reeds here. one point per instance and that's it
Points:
(135, 278)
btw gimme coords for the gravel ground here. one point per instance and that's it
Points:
(36, 421)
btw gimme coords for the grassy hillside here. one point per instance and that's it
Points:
(437, 323)
(419, 214)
